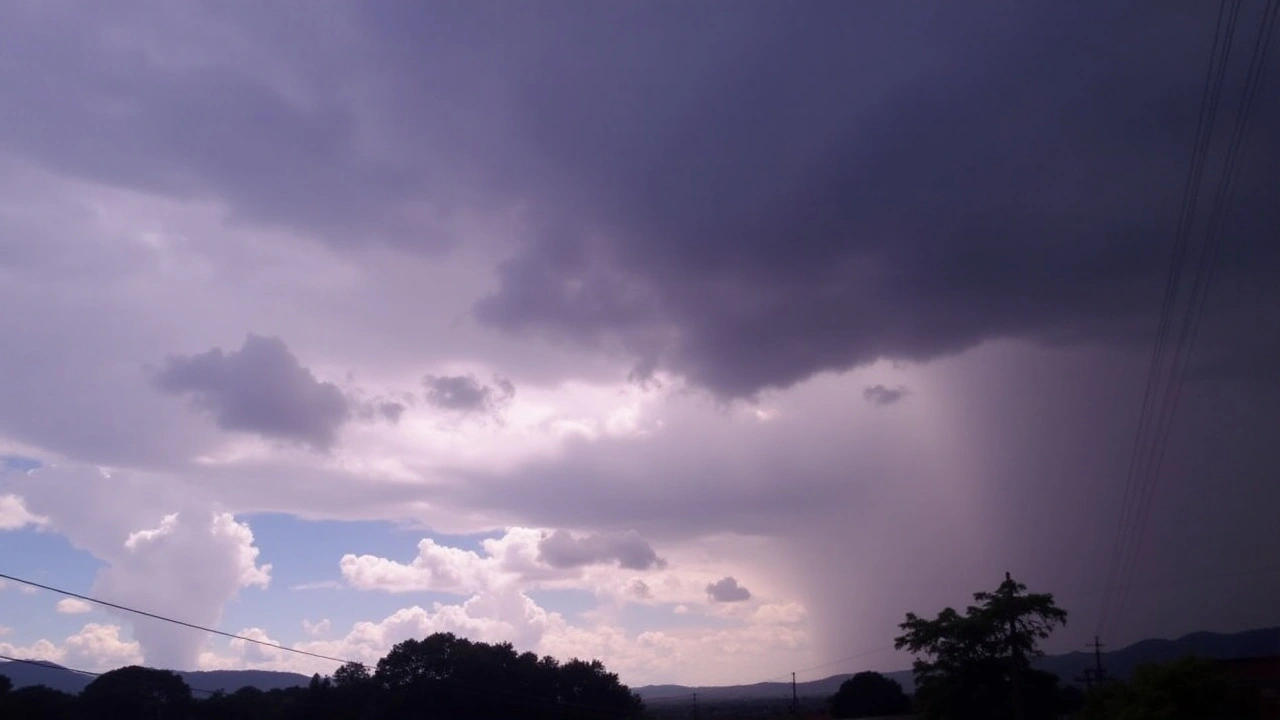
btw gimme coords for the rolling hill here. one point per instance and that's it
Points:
(60, 678)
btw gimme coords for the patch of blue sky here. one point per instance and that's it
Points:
(306, 579)
(569, 602)
(18, 463)
(48, 559)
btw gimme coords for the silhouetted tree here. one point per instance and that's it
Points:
(1070, 701)
(351, 674)
(135, 692)
(869, 694)
(445, 676)
(354, 692)
(977, 665)
(441, 676)
(588, 690)
(36, 701)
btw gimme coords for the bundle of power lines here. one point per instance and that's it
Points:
(1186, 289)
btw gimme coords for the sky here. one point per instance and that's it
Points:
(705, 340)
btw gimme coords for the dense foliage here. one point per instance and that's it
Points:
(867, 695)
(442, 676)
(977, 665)
(135, 692)
(1187, 689)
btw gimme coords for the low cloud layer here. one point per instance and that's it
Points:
(260, 388)
(96, 647)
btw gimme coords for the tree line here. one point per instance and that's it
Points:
(970, 665)
(977, 665)
(441, 676)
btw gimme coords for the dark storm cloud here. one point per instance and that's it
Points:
(260, 388)
(726, 590)
(745, 196)
(758, 198)
(882, 395)
(464, 393)
(561, 549)
(89, 90)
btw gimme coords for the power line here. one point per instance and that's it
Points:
(1218, 56)
(183, 623)
(56, 667)
(782, 678)
(1201, 283)
(320, 656)
(845, 659)
(1176, 582)
(51, 666)
(1194, 579)
(193, 626)
(1137, 488)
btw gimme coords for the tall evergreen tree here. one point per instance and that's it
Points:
(978, 664)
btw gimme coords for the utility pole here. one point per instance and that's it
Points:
(1098, 672)
(1095, 674)
(695, 706)
(795, 698)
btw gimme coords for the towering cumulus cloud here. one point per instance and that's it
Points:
(188, 567)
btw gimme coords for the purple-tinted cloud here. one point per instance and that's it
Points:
(377, 409)
(562, 549)
(747, 198)
(727, 590)
(640, 589)
(811, 195)
(752, 198)
(464, 393)
(260, 388)
(391, 411)
(882, 395)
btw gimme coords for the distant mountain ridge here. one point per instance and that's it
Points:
(60, 678)
(1118, 663)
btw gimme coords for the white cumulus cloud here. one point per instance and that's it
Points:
(189, 567)
(14, 514)
(96, 647)
(522, 555)
(510, 615)
(73, 606)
